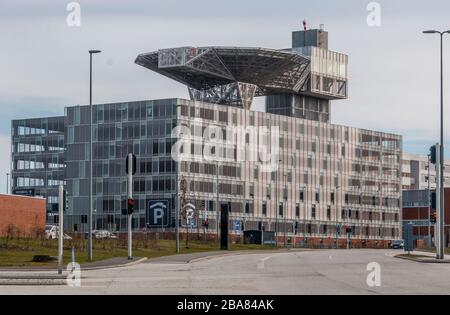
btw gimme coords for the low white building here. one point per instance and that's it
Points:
(417, 172)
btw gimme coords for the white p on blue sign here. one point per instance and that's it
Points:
(157, 213)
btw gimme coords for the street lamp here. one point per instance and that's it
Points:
(7, 183)
(91, 203)
(440, 254)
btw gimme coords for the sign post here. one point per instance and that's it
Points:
(409, 241)
(131, 170)
(190, 213)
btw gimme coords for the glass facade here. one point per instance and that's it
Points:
(142, 128)
(38, 164)
(329, 176)
(325, 177)
(328, 71)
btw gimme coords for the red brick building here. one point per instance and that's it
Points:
(20, 214)
(416, 210)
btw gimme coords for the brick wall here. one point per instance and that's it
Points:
(24, 213)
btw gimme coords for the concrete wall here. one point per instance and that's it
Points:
(23, 213)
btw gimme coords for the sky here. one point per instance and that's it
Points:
(393, 67)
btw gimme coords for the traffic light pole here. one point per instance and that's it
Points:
(438, 230)
(61, 227)
(130, 196)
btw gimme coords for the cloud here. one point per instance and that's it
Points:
(393, 69)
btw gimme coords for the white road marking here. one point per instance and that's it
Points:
(261, 264)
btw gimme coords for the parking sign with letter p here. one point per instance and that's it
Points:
(157, 213)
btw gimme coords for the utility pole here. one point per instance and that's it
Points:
(130, 169)
(429, 204)
(276, 205)
(61, 227)
(285, 197)
(439, 235)
(7, 183)
(91, 199)
(440, 208)
(217, 198)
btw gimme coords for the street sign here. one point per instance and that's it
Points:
(409, 240)
(24, 192)
(133, 171)
(189, 214)
(157, 213)
(237, 225)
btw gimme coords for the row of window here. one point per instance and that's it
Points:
(37, 182)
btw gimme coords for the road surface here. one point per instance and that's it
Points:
(294, 272)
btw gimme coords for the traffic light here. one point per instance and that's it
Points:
(348, 230)
(65, 201)
(433, 154)
(433, 200)
(130, 206)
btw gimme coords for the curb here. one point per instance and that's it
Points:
(422, 260)
(135, 262)
(132, 263)
(34, 282)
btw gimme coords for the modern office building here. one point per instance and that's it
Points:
(38, 166)
(419, 174)
(287, 170)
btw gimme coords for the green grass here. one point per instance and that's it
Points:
(20, 252)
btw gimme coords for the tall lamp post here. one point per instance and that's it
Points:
(91, 200)
(440, 254)
(7, 183)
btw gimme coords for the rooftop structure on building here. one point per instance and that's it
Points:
(298, 82)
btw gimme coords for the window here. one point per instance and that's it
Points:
(302, 196)
(328, 212)
(247, 208)
(264, 208)
(317, 197)
(332, 198)
(280, 209)
(297, 210)
(313, 212)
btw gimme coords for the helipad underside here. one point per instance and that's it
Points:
(230, 75)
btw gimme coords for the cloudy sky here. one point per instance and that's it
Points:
(394, 79)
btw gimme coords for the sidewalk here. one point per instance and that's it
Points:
(425, 257)
(101, 264)
(430, 254)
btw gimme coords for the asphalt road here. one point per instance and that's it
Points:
(307, 272)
